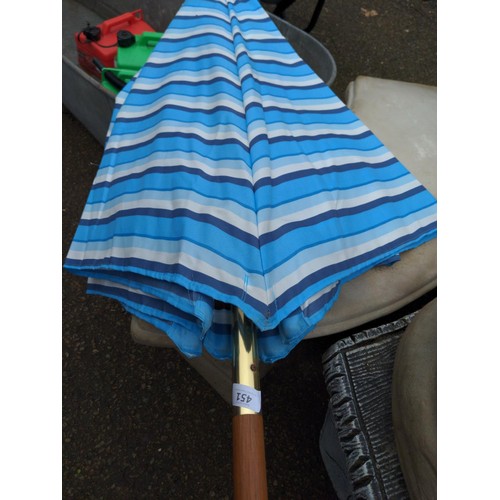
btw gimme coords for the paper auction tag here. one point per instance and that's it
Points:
(246, 397)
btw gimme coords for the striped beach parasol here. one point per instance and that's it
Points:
(237, 193)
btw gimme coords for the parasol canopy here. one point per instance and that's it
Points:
(233, 176)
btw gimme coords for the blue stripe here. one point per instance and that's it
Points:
(173, 214)
(308, 170)
(362, 232)
(320, 303)
(220, 290)
(163, 308)
(319, 190)
(209, 58)
(175, 89)
(331, 214)
(93, 242)
(345, 265)
(139, 190)
(181, 120)
(179, 148)
(176, 135)
(175, 107)
(322, 171)
(174, 170)
(165, 46)
(155, 71)
(301, 111)
(199, 83)
(293, 138)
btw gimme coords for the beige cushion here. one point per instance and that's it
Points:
(403, 116)
(414, 404)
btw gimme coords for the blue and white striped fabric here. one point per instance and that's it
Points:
(233, 175)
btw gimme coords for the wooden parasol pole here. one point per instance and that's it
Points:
(249, 460)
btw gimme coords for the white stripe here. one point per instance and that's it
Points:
(119, 286)
(217, 132)
(206, 103)
(143, 83)
(289, 273)
(295, 211)
(158, 57)
(262, 169)
(326, 104)
(255, 285)
(194, 12)
(228, 211)
(187, 32)
(318, 295)
(223, 99)
(268, 55)
(256, 35)
(311, 130)
(250, 35)
(282, 80)
(231, 168)
(257, 128)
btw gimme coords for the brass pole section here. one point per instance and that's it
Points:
(245, 357)
(249, 460)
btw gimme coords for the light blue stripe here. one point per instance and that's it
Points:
(282, 258)
(352, 224)
(178, 228)
(185, 196)
(182, 118)
(320, 164)
(332, 195)
(230, 151)
(186, 245)
(119, 169)
(215, 61)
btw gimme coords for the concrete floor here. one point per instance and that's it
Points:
(139, 422)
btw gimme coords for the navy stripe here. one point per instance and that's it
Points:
(243, 182)
(157, 189)
(346, 234)
(185, 59)
(201, 17)
(353, 262)
(171, 214)
(330, 189)
(330, 214)
(223, 329)
(302, 138)
(268, 181)
(228, 258)
(173, 170)
(176, 107)
(229, 23)
(190, 37)
(199, 83)
(283, 63)
(293, 171)
(266, 41)
(321, 302)
(280, 86)
(84, 267)
(300, 111)
(169, 41)
(176, 135)
(144, 300)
